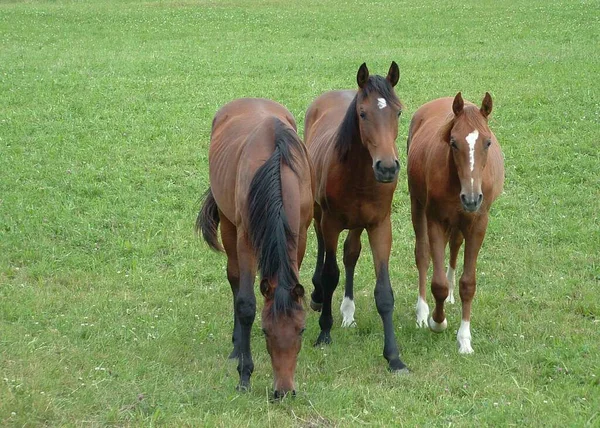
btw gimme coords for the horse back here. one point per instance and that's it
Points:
(242, 138)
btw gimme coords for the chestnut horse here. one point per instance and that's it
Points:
(261, 192)
(455, 172)
(351, 137)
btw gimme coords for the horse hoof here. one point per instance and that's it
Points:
(438, 328)
(243, 387)
(398, 367)
(323, 339)
(316, 306)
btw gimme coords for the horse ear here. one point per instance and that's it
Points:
(362, 77)
(458, 104)
(298, 291)
(486, 105)
(394, 74)
(265, 288)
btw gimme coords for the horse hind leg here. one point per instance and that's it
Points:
(422, 257)
(316, 297)
(456, 241)
(229, 238)
(352, 247)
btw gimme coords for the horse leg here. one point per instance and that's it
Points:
(456, 240)
(439, 282)
(245, 309)
(316, 297)
(229, 239)
(329, 278)
(422, 256)
(473, 240)
(352, 248)
(380, 239)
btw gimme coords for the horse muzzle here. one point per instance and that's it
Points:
(386, 173)
(471, 201)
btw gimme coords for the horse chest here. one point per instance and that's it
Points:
(354, 208)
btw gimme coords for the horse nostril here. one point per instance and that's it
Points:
(463, 198)
(378, 165)
(293, 392)
(275, 394)
(479, 198)
(397, 162)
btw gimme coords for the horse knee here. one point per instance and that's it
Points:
(467, 288)
(245, 308)
(384, 300)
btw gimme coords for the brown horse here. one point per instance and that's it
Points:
(351, 141)
(455, 172)
(261, 192)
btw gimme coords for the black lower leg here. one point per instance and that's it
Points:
(384, 300)
(329, 281)
(245, 310)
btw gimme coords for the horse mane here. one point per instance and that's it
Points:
(348, 131)
(472, 115)
(269, 229)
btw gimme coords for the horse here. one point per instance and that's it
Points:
(455, 172)
(261, 193)
(350, 136)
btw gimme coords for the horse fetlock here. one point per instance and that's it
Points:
(422, 310)
(347, 308)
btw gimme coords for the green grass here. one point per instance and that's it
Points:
(113, 312)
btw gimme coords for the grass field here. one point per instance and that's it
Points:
(112, 312)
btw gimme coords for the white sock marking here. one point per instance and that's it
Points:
(450, 276)
(381, 103)
(471, 140)
(438, 328)
(464, 338)
(347, 309)
(422, 312)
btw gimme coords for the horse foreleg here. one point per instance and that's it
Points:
(329, 277)
(456, 241)
(467, 285)
(422, 257)
(352, 247)
(316, 297)
(439, 282)
(380, 239)
(229, 239)
(245, 310)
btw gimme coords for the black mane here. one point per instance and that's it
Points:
(348, 131)
(269, 229)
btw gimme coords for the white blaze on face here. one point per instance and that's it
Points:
(471, 140)
(381, 103)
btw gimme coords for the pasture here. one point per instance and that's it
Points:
(112, 312)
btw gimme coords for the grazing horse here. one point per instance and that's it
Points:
(455, 172)
(351, 137)
(261, 192)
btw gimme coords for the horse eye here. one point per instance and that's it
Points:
(362, 115)
(302, 331)
(453, 144)
(264, 330)
(400, 113)
(488, 143)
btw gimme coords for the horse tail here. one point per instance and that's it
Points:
(208, 221)
(269, 229)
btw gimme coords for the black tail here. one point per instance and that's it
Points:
(269, 228)
(208, 221)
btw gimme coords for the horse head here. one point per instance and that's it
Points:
(469, 138)
(283, 329)
(378, 109)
